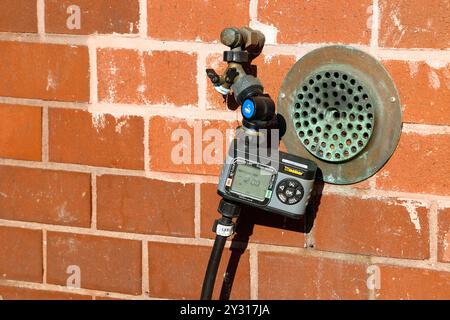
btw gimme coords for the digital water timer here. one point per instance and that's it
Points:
(283, 186)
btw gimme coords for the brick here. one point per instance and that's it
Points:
(129, 76)
(444, 235)
(16, 293)
(106, 264)
(419, 165)
(184, 278)
(194, 20)
(318, 21)
(77, 136)
(20, 132)
(165, 140)
(271, 71)
(21, 253)
(410, 24)
(365, 184)
(100, 16)
(106, 298)
(424, 91)
(261, 226)
(18, 16)
(284, 276)
(44, 71)
(372, 227)
(45, 196)
(413, 284)
(139, 205)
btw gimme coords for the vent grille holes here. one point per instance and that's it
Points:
(333, 116)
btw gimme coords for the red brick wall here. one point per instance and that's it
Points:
(85, 173)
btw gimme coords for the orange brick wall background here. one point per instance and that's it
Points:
(85, 172)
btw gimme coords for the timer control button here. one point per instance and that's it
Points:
(281, 187)
(282, 197)
(289, 192)
(299, 193)
(293, 184)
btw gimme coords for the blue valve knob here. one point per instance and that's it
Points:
(248, 109)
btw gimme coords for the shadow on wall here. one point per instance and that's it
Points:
(251, 216)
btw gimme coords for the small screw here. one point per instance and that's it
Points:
(283, 96)
(393, 99)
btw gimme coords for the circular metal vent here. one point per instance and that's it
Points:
(342, 111)
(334, 116)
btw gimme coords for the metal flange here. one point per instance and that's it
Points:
(343, 111)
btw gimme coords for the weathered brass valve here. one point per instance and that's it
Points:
(245, 44)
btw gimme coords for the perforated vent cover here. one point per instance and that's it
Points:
(333, 116)
(342, 110)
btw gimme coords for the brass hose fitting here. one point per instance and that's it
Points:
(245, 45)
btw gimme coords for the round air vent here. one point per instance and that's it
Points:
(343, 111)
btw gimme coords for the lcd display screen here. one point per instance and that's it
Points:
(251, 181)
